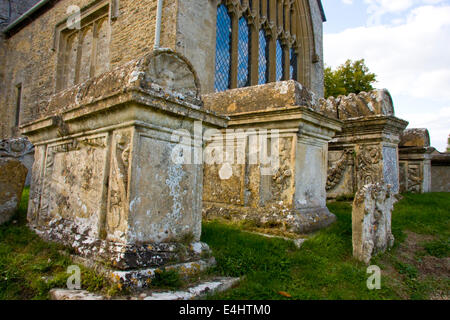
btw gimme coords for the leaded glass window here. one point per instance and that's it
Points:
(252, 45)
(223, 49)
(243, 54)
(263, 58)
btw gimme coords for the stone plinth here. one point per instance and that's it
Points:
(371, 221)
(105, 181)
(415, 161)
(366, 151)
(270, 165)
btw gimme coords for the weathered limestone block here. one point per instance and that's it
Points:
(440, 172)
(415, 161)
(12, 180)
(269, 165)
(21, 149)
(366, 151)
(105, 181)
(371, 221)
(364, 104)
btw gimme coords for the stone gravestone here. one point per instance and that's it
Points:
(371, 221)
(12, 180)
(105, 181)
(20, 149)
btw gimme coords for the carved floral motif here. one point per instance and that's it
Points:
(367, 164)
(336, 172)
(415, 179)
(119, 179)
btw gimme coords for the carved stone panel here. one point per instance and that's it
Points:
(403, 176)
(173, 73)
(283, 180)
(224, 171)
(165, 204)
(369, 160)
(310, 180)
(73, 183)
(340, 180)
(117, 213)
(415, 178)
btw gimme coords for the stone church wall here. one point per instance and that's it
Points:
(317, 84)
(31, 56)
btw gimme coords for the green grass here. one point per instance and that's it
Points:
(270, 268)
(30, 267)
(324, 268)
(427, 214)
(438, 248)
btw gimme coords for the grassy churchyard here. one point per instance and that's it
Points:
(418, 267)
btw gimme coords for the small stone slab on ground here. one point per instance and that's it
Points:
(198, 291)
(297, 242)
(66, 294)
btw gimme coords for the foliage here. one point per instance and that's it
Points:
(167, 279)
(351, 77)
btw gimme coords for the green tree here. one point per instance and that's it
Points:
(350, 77)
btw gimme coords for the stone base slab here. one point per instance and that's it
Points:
(198, 291)
(122, 256)
(142, 278)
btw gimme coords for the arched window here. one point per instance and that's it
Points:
(260, 41)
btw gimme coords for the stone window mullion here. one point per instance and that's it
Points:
(254, 44)
(272, 48)
(280, 14)
(287, 17)
(63, 64)
(286, 63)
(254, 54)
(94, 48)
(234, 50)
(77, 65)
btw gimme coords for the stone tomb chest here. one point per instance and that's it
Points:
(105, 181)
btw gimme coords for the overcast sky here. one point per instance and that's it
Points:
(407, 44)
